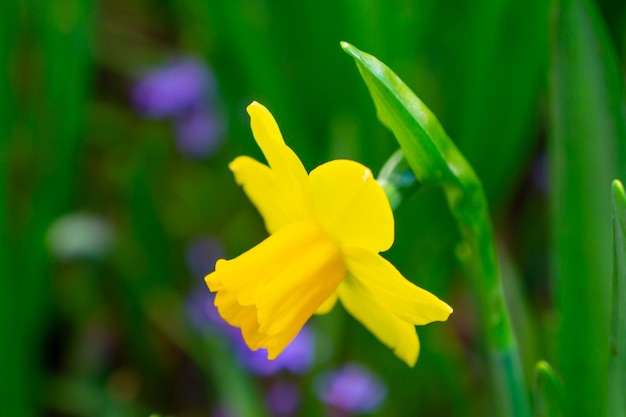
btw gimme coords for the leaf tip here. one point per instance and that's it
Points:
(349, 49)
(617, 187)
(619, 196)
(543, 367)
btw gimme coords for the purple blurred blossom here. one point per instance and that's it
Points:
(199, 131)
(297, 357)
(202, 254)
(352, 389)
(282, 399)
(220, 411)
(184, 90)
(172, 88)
(203, 315)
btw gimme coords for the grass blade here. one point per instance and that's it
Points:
(587, 138)
(617, 359)
(548, 392)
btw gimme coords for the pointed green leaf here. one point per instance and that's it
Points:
(617, 359)
(430, 153)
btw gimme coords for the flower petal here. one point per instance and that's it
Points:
(267, 135)
(270, 196)
(271, 290)
(393, 292)
(352, 207)
(290, 180)
(395, 333)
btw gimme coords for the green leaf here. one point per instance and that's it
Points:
(617, 359)
(435, 160)
(548, 392)
(433, 157)
(586, 146)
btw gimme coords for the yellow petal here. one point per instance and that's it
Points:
(271, 197)
(327, 305)
(271, 290)
(352, 207)
(392, 291)
(395, 333)
(270, 140)
(290, 179)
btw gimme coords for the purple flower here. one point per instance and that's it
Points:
(297, 357)
(201, 256)
(172, 88)
(352, 389)
(185, 91)
(220, 411)
(198, 132)
(282, 399)
(203, 316)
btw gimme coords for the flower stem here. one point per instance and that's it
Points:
(468, 204)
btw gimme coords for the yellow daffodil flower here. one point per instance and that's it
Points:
(326, 231)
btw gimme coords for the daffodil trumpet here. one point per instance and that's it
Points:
(326, 229)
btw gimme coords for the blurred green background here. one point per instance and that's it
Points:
(102, 329)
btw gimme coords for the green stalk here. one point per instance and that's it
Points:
(469, 206)
(434, 160)
(508, 382)
(397, 179)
